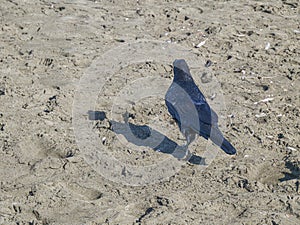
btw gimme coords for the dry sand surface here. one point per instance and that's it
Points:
(60, 59)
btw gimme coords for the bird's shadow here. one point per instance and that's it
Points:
(294, 172)
(143, 135)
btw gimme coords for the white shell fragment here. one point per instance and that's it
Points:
(200, 44)
(264, 100)
(267, 46)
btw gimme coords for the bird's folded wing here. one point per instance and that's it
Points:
(172, 111)
(206, 114)
(184, 111)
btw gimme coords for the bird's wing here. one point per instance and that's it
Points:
(172, 111)
(206, 114)
(181, 107)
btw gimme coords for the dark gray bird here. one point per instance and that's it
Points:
(190, 110)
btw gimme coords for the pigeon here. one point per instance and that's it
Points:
(189, 108)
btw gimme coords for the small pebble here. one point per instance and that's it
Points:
(280, 135)
(206, 77)
(2, 91)
(208, 63)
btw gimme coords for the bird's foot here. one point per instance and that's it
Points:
(182, 153)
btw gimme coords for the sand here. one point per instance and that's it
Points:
(61, 59)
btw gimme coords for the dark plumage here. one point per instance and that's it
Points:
(189, 108)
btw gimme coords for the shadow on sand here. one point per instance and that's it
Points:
(294, 173)
(143, 135)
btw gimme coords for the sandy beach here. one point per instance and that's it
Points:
(86, 137)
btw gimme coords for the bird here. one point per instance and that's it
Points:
(192, 113)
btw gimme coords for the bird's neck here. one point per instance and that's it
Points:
(182, 77)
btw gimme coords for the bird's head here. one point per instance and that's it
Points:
(181, 70)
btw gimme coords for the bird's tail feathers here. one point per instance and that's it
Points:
(217, 137)
(227, 147)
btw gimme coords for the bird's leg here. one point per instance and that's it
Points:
(125, 116)
(181, 152)
(190, 136)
